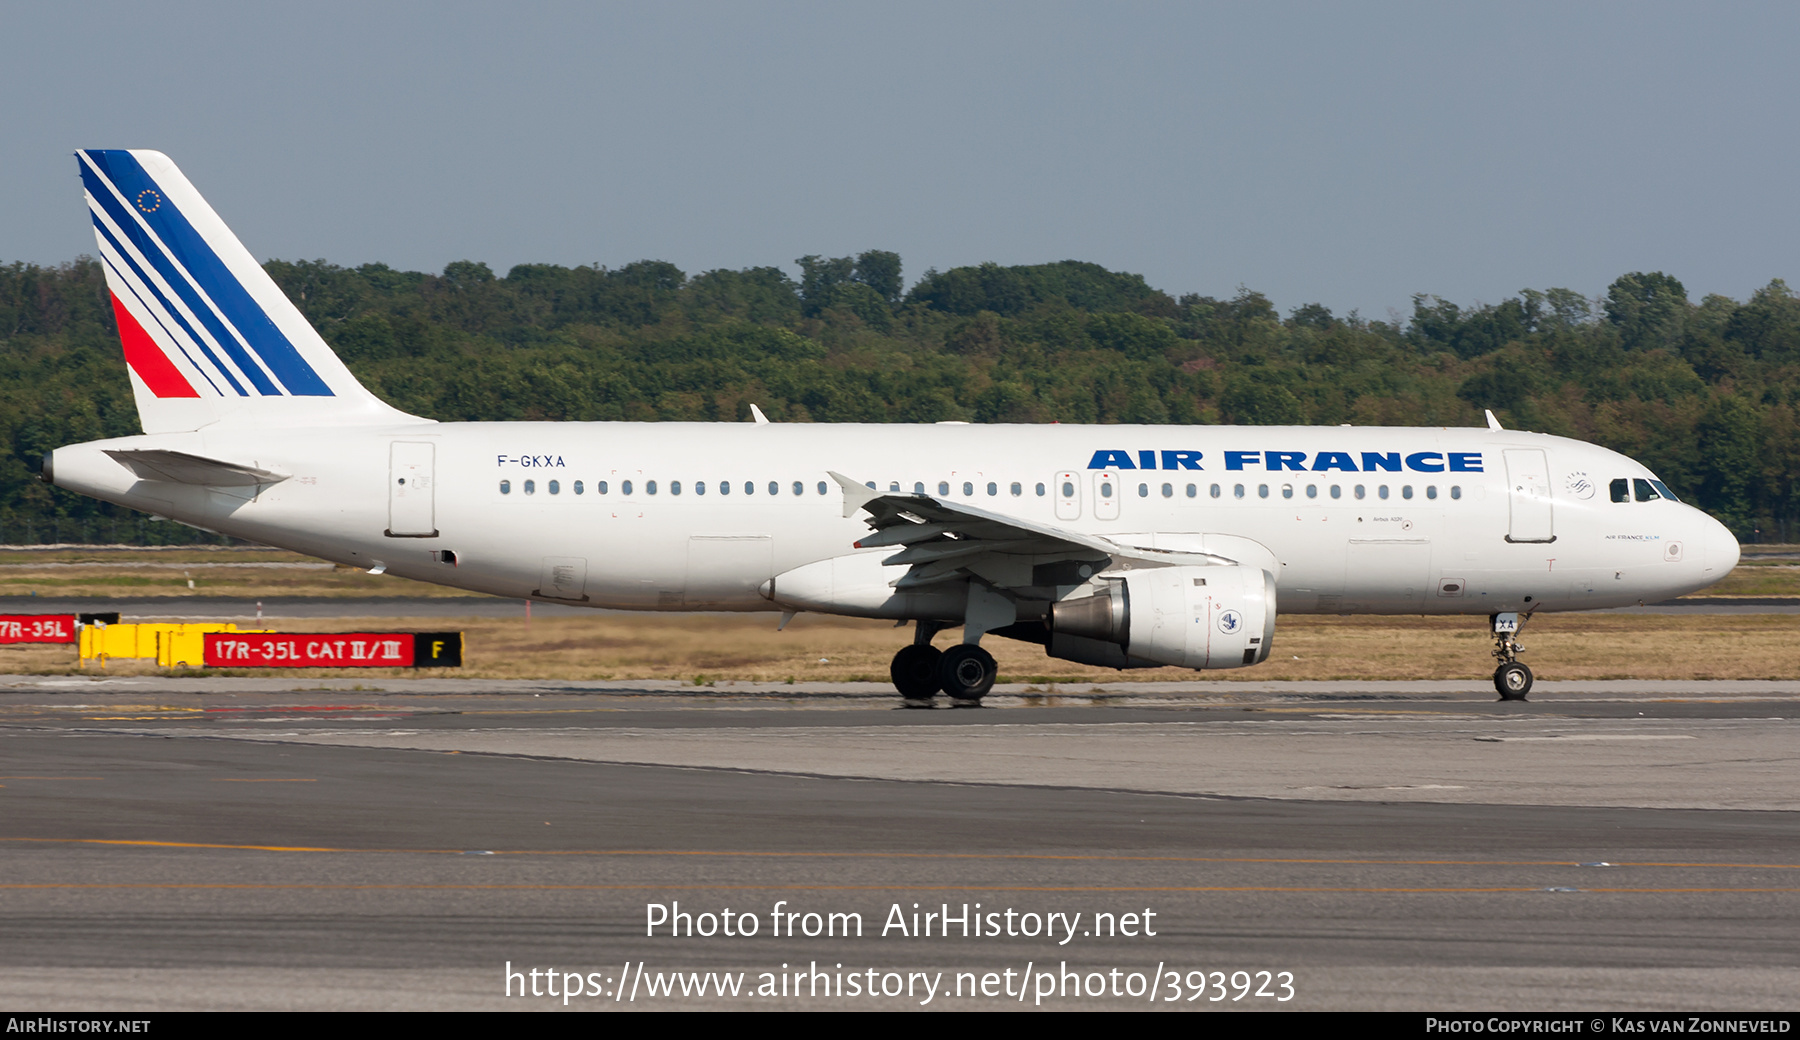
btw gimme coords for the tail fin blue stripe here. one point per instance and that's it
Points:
(152, 251)
(211, 274)
(174, 313)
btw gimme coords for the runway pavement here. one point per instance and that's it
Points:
(266, 843)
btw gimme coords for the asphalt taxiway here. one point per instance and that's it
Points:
(265, 843)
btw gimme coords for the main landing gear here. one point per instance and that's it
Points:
(1512, 680)
(966, 672)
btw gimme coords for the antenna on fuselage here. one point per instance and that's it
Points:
(757, 417)
(1493, 423)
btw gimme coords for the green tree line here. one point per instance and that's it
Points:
(1704, 393)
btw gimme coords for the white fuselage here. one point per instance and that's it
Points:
(708, 516)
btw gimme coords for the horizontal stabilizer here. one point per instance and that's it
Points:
(182, 468)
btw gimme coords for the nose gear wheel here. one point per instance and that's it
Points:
(1513, 681)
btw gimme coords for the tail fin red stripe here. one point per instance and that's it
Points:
(147, 359)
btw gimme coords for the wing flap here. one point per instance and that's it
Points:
(944, 540)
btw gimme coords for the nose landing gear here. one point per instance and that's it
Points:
(1512, 680)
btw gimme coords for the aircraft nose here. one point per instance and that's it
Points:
(1722, 549)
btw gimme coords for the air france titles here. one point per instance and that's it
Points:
(1297, 461)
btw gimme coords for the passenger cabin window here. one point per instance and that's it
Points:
(506, 487)
(774, 488)
(1312, 491)
(1431, 491)
(624, 487)
(1262, 491)
(649, 487)
(750, 487)
(800, 489)
(1168, 491)
(943, 487)
(1237, 491)
(1040, 490)
(578, 488)
(556, 487)
(1017, 489)
(993, 489)
(600, 488)
(1287, 491)
(1360, 492)
(919, 487)
(1143, 491)
(1621, 490)
(1645, 493)
(1456, 491)
(1406, 492)
(724, 487)
(821, 487)
(530, 487)
(1337, 491)
(1381, 492)
(699, 487)
(968, 488)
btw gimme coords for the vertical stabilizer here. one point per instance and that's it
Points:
(208, 336)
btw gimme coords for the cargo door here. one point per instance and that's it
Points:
(724, 571)
(1387, 574)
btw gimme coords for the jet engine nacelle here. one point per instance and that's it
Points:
(1192, 617)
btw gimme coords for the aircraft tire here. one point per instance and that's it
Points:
(967, 672)
(915, 671)
(1512, 681)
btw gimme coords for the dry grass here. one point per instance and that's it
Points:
(149, 573)
(1759, 578)
(747, 647)
(708, 648)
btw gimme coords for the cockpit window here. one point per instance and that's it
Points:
(1645, 493)
(1621, 490)
(1663, 489)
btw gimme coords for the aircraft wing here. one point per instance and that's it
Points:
(942, 539)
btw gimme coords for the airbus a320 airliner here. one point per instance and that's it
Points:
(1119, 546)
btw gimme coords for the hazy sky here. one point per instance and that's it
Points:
(1348, 153)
